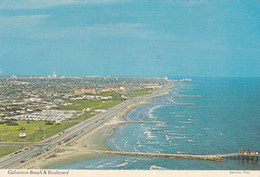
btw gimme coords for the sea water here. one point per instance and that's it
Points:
(225, 117)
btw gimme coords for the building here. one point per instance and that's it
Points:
(122, 88)
(86, 110)
(109, 89)
(105, 97)
(244, 151)
(92, 91)
(152, 86)
(13, 77)
(22, 135)
(54, 76)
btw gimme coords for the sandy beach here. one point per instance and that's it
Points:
(79, 149)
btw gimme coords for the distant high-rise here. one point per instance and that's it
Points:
(13, 77)
(54, 76)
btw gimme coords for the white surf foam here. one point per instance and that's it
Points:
(170, 99)
(123, 164)
(151, 111)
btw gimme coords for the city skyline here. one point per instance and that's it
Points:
(130, 38)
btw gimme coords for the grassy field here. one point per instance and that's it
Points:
(11, 133)
(95, 104)
(82, 104)
(8, 150)
(136, 93)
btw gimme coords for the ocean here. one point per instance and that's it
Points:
(225, 117)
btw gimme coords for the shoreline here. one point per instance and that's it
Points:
(79, 149)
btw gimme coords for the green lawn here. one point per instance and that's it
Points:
(82, 104)
(110, 103)
(8, 150)
(139, 92)
(110, 93)
(11, 133)
(95, 104)
(83, 117)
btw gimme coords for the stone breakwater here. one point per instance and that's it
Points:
(182, 156)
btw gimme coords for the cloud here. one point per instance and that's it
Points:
(136, 30)
(30, 26)
(23, 26)
(117, 29)
(38, 4)
(36, 27)
(22, 21)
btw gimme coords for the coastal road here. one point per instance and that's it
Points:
(15, 144)
(14, 160)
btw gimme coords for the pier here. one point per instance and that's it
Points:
(218, 157)
(253, 158)
(244, 155)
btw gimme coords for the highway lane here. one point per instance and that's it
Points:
(12, 161)
(21, 144)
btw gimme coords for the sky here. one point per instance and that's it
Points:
(154, 38)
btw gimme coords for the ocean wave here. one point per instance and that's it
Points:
(114, 145)
(160, 125)
(139, 144)
(175, 134)
(100, 166)
(174, 144)
(157, 151)
(152, 142)
(151, 110)
(170, 99)
(158, 130)
(177, 115)
(184, 122)
(179, 127)
(172, 134)
(135, 149)
(125, 144)
(138, 141)
(123, 164)
(180, 137)
(167, 137)
(148, 133)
